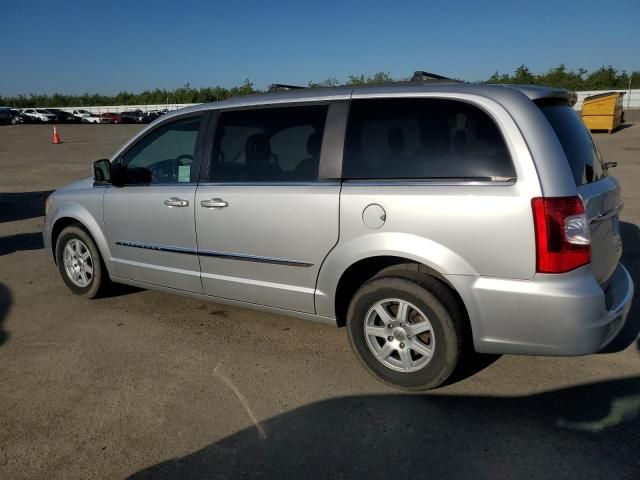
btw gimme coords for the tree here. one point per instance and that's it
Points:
(327, 82)
(604, 78)
(380, 77)
(523, 76)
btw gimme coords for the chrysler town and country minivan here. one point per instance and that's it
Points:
(430, 218)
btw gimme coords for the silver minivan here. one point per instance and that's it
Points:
(432, 219)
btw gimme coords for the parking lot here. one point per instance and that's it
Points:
(148, 385)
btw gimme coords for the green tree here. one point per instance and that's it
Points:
(327, 82)
(380, 77)
(604, 78)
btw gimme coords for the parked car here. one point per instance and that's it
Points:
(80, 113)
(149, 117)
(94, 118)
(5, 116)
(63, 116)
(111, 117)
(431, 219)
(17, 117)
(132, 116)
(39, 114)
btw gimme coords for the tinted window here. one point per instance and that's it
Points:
(268, 145)
(577, 143)
(423, 138)
(165, 155)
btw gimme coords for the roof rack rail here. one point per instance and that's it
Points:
(421, 76)
(276, 87)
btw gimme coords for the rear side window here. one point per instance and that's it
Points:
(268, 145)
(423, 138)
(582, 154)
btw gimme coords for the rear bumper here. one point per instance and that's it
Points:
(562, 315)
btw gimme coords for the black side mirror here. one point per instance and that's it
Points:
(102, 171)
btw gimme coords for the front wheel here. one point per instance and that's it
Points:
(80, 263)
(406, 331)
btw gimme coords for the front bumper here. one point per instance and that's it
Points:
(562, 315)
(46, 237)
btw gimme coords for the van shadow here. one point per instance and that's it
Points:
(630, 234)
(588, 431)
(23, 205)
(20, 242)
(5, 305)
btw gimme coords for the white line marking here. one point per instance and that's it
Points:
(243, 401)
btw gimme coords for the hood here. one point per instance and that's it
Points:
(78, 185)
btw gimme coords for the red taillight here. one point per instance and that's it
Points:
(562, 234)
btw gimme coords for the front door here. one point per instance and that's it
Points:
(265, 221)
(150, 220)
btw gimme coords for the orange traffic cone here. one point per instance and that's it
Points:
(56, 137)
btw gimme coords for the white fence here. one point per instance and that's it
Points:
(630, 100)
(124, 108)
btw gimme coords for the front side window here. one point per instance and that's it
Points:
(268, 145)
(165, 155)
(412, 138)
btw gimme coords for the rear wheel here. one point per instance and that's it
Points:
(80, 263)
(407, 331)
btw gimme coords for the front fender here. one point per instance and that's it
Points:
(89, 214)
(377, 244)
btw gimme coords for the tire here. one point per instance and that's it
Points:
(427, 299)
(86, 274)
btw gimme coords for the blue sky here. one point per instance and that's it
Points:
(109, 46)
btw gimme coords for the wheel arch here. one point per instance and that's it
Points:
(364, 270)
(369, 254)
(360, 272)
(65, 217)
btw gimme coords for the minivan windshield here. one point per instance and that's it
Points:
(582, 154)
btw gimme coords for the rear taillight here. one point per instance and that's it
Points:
(563, 242)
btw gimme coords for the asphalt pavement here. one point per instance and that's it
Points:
(148, 385)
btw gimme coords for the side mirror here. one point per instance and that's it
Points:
(102, 171)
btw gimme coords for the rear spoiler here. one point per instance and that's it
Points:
(546, 95)
(562, 98)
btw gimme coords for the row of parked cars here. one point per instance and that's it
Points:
(15, 116)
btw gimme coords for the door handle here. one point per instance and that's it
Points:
(214, 203)
(176, 202)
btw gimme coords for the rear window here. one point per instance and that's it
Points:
(412, 138)
(582, 154)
